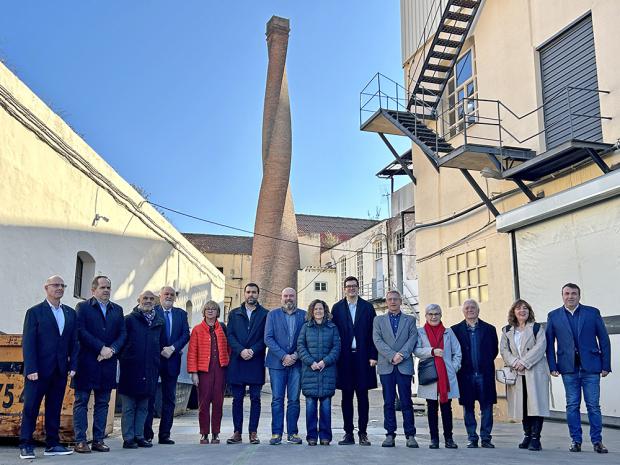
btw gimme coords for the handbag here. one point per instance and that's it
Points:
(427, 372)
(506, 375)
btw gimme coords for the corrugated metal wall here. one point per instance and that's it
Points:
(413, 16)
(569, 60)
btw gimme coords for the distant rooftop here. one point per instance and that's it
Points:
(329, 227)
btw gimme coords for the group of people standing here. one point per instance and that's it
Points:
(313, 352)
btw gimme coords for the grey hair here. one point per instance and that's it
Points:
(395, 292)
(471, 301)
(431, 307)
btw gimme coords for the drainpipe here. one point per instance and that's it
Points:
(515, 266)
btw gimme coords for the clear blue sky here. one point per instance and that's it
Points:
(171, 95)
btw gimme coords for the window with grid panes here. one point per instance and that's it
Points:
(462, 85)
(360, 269)
(467, 277)
(399, 240)
(343, 273)
(320, 286)
(377, 248)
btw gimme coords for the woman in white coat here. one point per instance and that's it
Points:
(523, 347)
(439, 342)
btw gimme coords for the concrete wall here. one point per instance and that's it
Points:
(54, 186)
(237, 270)
(306, 291)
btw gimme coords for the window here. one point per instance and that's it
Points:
(399, 240)
(320, 286)
(467, 277)
(343, 273)
(377, 248)
(84, 274)
(360, 269)
(461, 86)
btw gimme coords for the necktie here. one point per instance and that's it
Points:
(168, 324)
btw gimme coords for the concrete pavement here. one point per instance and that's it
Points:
(187, 450)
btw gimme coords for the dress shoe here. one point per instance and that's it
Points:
(411, 442)
(363, 438)
(472, 445)
(389, 441)
(575, 447)
(100, 446)
(450, 444)
(434, 445)
(215, 438)
(347, 440)
(165, 441)
(254, 438)
(599, 448)
(204, 439)
(487, 444)
(311, 441)
(82, 448)
(130, 445)
(325, 442)
(144, 443)
(235, 438)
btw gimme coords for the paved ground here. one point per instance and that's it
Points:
(189, 451)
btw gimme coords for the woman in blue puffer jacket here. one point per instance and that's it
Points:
(318, 348)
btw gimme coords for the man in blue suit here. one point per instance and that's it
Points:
(102, 333)
(50, 348)
(177, 333)
(583, 355)
(281, 332)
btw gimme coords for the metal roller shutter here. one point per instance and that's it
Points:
(569, 60)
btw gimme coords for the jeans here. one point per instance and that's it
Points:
(390, 383)
(590, 383)
(53, 389)
(285, 381)
(100, 414)
(134, 414)
(324, 432)
(486, 414)
(238, 392)
(432, 407)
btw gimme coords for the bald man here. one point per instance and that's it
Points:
(50, 348)
(281, 332)
(177, 337)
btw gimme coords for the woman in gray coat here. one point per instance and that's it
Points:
(439, 342)
(522, 347)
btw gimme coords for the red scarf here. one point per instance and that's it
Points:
(435, 337)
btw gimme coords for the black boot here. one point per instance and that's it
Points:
(537, 423)
(527, 433)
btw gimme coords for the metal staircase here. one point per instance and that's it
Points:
(438, 63)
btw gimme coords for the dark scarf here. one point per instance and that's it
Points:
(435, 337)
(149, 317)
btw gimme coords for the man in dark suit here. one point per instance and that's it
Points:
(246, 329)
(50, 349)
(583, 356)
(177, 333)
(353, 316)
(101, 333)
(476, 377)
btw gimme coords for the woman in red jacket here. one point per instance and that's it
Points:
(207, 359)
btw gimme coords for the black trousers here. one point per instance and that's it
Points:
(53, 389)
(432, 407)
(168, 402)
(363, 405)
(532, 425)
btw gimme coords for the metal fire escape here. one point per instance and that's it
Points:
(388, 108)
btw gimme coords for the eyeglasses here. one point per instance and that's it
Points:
(57, 285)
(433, 315)
(354, 286)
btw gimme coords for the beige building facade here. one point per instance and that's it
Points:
(66, 211)
(515, 188)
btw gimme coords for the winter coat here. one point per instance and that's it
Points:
(94, 332)
(244, 333)
(139, 359)
(536, 372)
(199, 350)
(315, 343)
(355, 372)
(452, 359)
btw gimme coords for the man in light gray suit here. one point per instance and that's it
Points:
(395, 335)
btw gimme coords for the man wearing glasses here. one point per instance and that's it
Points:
(358, 357)
(50, 348)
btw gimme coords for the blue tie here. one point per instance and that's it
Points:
(168, 324)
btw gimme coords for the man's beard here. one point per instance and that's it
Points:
(251, 301)
(289, 305)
